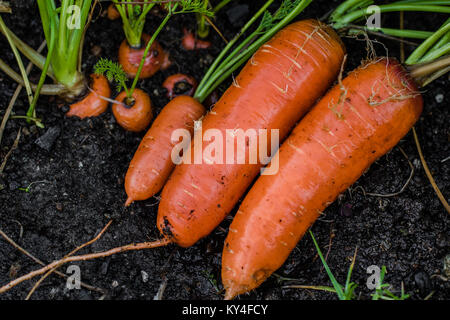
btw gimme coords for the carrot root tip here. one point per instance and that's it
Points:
(229, 294)
(129, 201)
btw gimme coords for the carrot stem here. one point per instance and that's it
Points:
(424, 48)
(147, 49)
(37, 59)
(227, 48)
(357, 14)
(31, 110)
(238, 56)
(19, 61)
(426, 69)
(47, 89)
(133, 21)
(220, 5)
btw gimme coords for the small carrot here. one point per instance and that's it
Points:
(189, 42)
(179, 84)
(355, 123)
(133, 114)
(112, 12)
(130, 58)
(276, 87)
(94, 103)
(151, 164)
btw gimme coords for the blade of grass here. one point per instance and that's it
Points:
(336, 284)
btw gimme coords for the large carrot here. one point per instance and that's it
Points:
(354, 124)
(276, 87)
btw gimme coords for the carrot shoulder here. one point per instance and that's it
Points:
(331, 147)
(275, 88)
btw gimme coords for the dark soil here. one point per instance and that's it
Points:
(77, 169)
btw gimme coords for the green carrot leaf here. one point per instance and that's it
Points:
(113, 71)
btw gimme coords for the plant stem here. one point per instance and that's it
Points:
(19, 61)
(222, 54)
(434, 54)
(344, 7)
(47, 89)
(202, 28)
(133, 26)
(423, 48)
(357, 14)
(224, 71)
(37, 59)
(147, 49)
(414, 34)
(31, 110)
(220, 5)
(426, 69)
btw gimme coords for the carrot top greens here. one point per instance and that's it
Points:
(113, 71)
(64, 29)
(227, 62)
(351, 11)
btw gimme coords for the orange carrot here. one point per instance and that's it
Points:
(354, 124)
(112, 12)
(130, 58)
(276, 87)
(94, 103)
(189, 42)
(151, 164)
(179, 83)
(134, 115)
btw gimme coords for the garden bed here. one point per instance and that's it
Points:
(75, 173)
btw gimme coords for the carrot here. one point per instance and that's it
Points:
(94, 103)
(141, 180)
(130, 58)
(177, 84)
(112, 12)
(189, 42)
(276, 87)
(151, 165)
(133, 114)
(355, 123)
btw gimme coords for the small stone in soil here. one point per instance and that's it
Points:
(144, 276)
(47, 140)
(439, 98)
